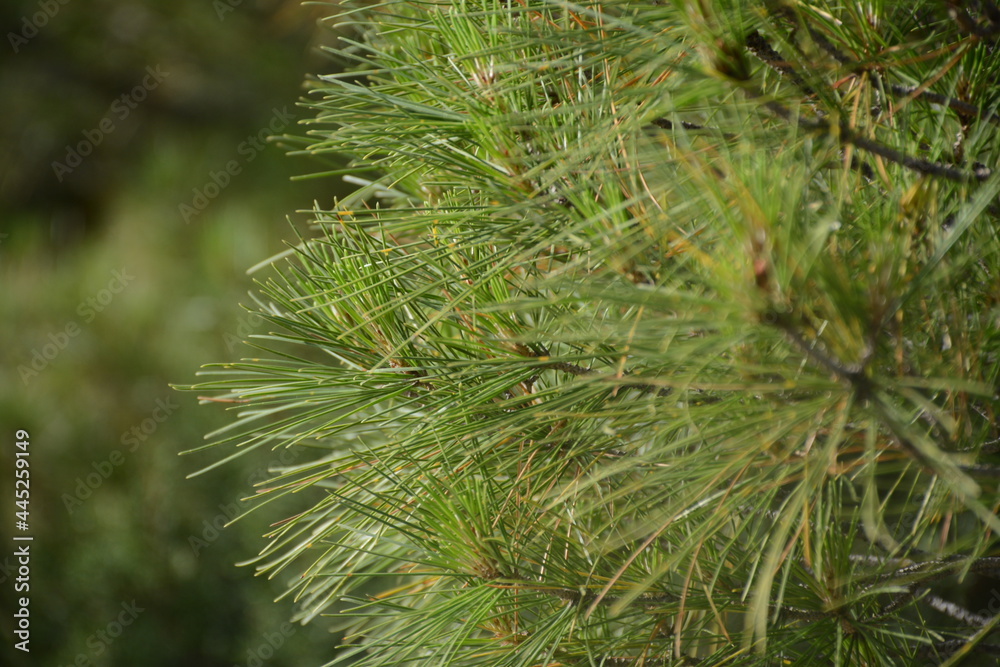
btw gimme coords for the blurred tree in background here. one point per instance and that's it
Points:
(110, 294)
(658, 333)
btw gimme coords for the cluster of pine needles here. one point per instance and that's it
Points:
(655, 333)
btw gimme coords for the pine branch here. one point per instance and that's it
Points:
(957, 612)
(937, 569)
(476, 345)
(961, 16)
(761, 47)
(845, 134)
(919, 93)
(853, 375)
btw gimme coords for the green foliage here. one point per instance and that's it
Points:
(656, 334)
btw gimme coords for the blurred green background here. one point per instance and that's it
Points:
(110, 294)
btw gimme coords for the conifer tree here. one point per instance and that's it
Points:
(656, 333)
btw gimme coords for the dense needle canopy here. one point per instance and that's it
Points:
(656, 333)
